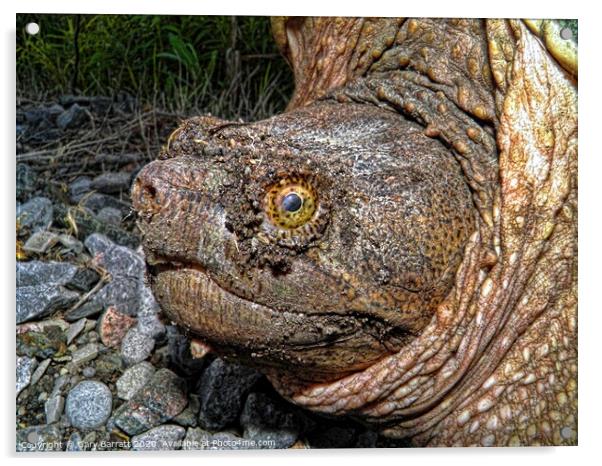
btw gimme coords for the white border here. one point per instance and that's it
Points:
(590, 383)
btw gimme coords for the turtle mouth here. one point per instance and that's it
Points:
(313, 347)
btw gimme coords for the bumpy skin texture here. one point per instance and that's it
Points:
(430, 289)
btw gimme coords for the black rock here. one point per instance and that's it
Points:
(268, 422)
(222, 391)
(26, 182)
(84, 279)
(88, 309)
(332, 437)
(79, 187)
(109, 215)
(112, 182)
(161, 399)
(98, 201)
(179, 353)
(73, 117)
(43, 273)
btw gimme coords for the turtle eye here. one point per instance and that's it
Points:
(291, 202)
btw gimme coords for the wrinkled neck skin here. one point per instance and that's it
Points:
(497, 363)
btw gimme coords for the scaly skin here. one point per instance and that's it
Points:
(488, 357)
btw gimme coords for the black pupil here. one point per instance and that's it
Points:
(292, 202)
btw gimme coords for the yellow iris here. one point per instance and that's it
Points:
(291, 202)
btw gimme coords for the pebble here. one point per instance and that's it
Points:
(88, 372)
(39, 372)
(161, 399)
(40, 438)
(35, 214)
(73, 117)
(49, 341)
(40, 242)
(113, 326)
(112, 182)
(70, 244)
(98, 201)
(54, 408)
(75, 329)
(222, 391)
(25, 368)
(89, 309)
(26, 181)
(188, 417)
(118, 260)
(199, 439)
(85, 354)
(34, 273)
(136, 347)
(75, 442)
(165, 437)
(79, 187)
(35, 302)
(89, 404)
(109, 215)
(84, 279)
(133, 379)
(121, 293)
(268, 422)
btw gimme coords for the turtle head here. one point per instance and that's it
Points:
(315, 242)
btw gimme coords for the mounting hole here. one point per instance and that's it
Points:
(566, 33)
(32, 28)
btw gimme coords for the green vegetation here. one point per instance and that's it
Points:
(228, 66)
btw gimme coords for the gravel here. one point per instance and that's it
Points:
(165, 437)
(25, 368)
(133, 379)
(112, 182)
(161, 399)
(136, 347)
(89, 404)
(85, 354)
(35, 302)
(35, 214)
(222, 391)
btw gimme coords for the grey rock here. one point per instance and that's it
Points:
(188, 417)
(73, 117)
(40, 438)
(133, 379)
(40, 242)
(39, 372)
(136, 347)
(40, 272)
(35, 214)
(25, 368)
(89, 404)
(122, 293)
(222, 391)
(199, 439)
(26, 182)
(35, 302)
(75, 442)
(165, 437)
(75, 329)
(109, 215)
(54, 408)
(85, 354)
(98, 201)
(118, 260)
(59, 384)
(112, 182)
(89, 309)
(268, 422)
(79, 187)
(70, 243)
(89, 372)
(162, 398)
(84, 279)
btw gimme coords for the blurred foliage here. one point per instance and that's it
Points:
(225, 65)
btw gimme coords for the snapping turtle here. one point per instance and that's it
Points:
(400, 245)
